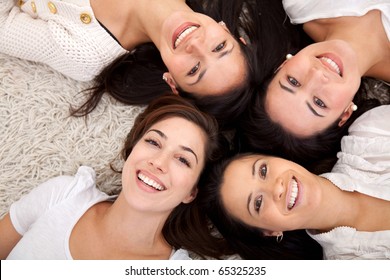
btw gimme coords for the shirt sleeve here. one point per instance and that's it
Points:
(29, 208)
(373, 123)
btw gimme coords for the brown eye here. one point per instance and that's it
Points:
(194, 70)
(319, 102)
(292, 81)
(220, 47)
(263, 171)
(258, 202)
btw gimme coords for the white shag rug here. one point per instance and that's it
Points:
(38, 139)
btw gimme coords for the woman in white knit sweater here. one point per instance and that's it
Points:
(80, 37)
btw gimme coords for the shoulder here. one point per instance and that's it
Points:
(373, 122)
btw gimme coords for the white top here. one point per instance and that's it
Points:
(363, 166)
(301, 11)
(62, 34)
(46, 216)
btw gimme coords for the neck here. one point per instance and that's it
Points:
(129, 230)
(152, 19)
(136, 22)
(352, 209)
(337, 208)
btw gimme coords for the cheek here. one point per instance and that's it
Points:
(176, 63)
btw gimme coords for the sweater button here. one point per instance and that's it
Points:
(33, 7)
(52, 7)
(85, 18)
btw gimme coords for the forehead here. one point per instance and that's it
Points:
(182, 131)
(177, 125)
(236, 185)
(237, 174)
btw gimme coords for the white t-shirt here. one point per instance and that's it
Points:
(301, 11)
(364, 166)
(46, 216)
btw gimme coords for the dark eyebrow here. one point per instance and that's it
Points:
(307, 103)
(286, 88)
(253, 168)
(191, 151)
(248, 203)
(201, 74)
(159, 132)
(250, 195)
(313, 111)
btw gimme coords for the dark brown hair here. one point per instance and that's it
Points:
(186, 226)
(247, 241)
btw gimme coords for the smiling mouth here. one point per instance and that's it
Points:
(331, 64)
(150, 182)
(294, 194)
(183, 34)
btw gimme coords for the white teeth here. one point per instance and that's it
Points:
(184, 34)
(332, 64)
(294, 194)
(150, 182)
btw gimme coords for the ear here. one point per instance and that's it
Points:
(191, 196)
(243, 41)
(346, 115)
(272, 233)
(171, 82)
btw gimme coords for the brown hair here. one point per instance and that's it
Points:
(186, 226)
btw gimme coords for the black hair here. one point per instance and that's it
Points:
(247, 241)
(317, 153)
(136, 77)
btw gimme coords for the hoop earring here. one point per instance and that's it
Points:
(289, 56)
(279, 238)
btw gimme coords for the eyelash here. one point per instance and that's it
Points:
(185, 161)
(181, 159)
(258, 202)
(220, 47)
(318, 102)
(292, 81)
(263, 171)
(152, 142)
(195, 69)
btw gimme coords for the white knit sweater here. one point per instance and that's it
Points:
(62, 34)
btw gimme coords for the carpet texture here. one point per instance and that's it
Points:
(38, 139)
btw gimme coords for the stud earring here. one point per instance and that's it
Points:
(354, 107)
(165, 78)
(289, 56)
(222, 23)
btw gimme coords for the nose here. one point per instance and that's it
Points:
(317, 76)
(195, 45)
(159, 162)
(278, 189)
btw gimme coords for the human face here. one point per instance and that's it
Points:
(163, 168)
(201, 55)
(271, 193)
(314, 88)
